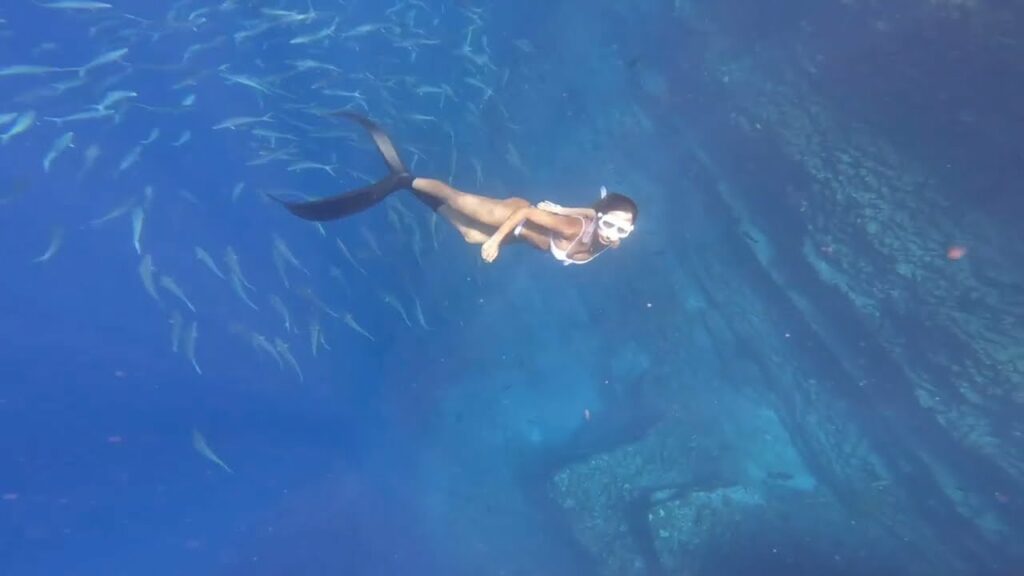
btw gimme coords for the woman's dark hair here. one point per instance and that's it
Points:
(613, 201)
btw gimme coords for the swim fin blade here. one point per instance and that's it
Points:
(360, 199)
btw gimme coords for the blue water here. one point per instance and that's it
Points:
(703, 400)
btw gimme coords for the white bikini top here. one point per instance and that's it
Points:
(586, 234)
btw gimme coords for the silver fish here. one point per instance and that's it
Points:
(91, 154)
(30, 70)
(115, 213)
(261, 343)
(129, 159)
(113, 98)
(236, 284)
(199, 443)
(284, 352)
(281, 248)
(185, 137)
(146, 272)
(355, 326)
(419, 314)
(234, 123)
(138, 218)
(204, 257)
(177, 323)
(190, 345)
(168, 283)
(23, 123)
(348, 255)
(87, 115)
(56, 239)
(277, 304)
(314, 334)
(76, 5)
(234, 267)
(59, 145)
(153, 135)
(105, 58)
(394, 303)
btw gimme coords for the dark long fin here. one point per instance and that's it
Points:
(347, 203)
(384, 145)
(355, 201)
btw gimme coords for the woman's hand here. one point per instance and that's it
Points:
(489, 250)
(551, 207)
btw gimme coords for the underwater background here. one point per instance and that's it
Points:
(807, 359)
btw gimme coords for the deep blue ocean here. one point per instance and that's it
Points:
(806, 358)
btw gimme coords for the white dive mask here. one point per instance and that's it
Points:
(614, 226)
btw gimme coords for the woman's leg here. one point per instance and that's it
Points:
(490, 212)
(472, 231)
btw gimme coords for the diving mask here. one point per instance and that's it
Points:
(614, 226)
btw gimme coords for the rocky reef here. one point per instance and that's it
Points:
(867, 331)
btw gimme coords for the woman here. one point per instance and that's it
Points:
(572, 235)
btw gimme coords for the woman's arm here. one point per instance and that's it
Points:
(564, 226)
(566, 211)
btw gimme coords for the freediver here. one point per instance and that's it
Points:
(572, 235)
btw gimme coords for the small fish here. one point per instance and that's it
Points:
(56, 239)
(76, 5)
(236, 191)
(105, 58)
(91, 154)
(234, 267)
(190, 345)
(274, 136)
(316, 36)
(204, 257)
(277, 304)
(371, 240)
(419, 314)
(189, 100)
(146, 272)
(390, 300)
(336, 273)
(348, 255)
(236, 284)
(30, 70)
(266, 158)
(185, 137)
(87, 115)
(314, 334)
(199, 443)
(260, 343)
(168, 283)
(306, 165)
(352, 324)
(281, 248)
(115, 213)
(177, 323)
(279, 265)
(113, 98)
(138, 218)
(24, 122)
(282, 349)
(153, 135)
(129, 159)
(316, 301)
(234, 123)
(59, 145)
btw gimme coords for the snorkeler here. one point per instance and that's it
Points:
(572, 235)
